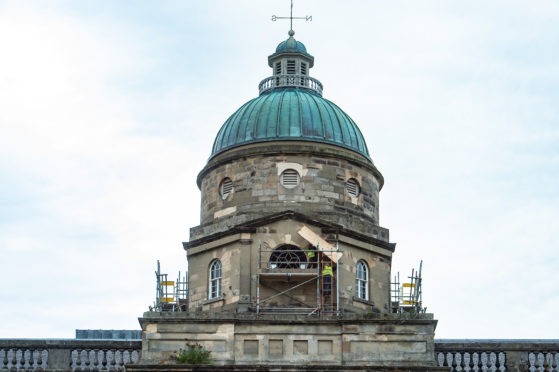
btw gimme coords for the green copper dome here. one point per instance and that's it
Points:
(291, 46)
(290, 114)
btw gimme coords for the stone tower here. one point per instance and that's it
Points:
(289, 264)
(285, 161)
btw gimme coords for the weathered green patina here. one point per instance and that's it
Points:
(286, 114)
(291, 46)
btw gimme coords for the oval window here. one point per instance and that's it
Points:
(289, 178)
(225, 187)
(352, 187)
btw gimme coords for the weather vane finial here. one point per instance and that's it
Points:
(291, 18)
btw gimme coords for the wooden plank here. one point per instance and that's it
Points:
(314, 239)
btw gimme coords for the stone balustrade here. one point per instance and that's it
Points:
(114, 355)
(498, 355)
(67, 354)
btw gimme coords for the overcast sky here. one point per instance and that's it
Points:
(108, 111)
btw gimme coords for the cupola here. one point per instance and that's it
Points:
(290, 107)
(291, 58)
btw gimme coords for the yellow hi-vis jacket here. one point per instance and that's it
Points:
(310, 254)
(327, 270)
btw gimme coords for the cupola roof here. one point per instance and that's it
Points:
(290, 114)
(290, 108)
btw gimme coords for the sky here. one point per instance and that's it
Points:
(108, 111)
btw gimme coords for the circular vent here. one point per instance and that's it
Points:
(289, 178)
(226, 187)
(352, 187)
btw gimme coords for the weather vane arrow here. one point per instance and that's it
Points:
(291, 18)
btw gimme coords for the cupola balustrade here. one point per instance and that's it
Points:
(293, 81)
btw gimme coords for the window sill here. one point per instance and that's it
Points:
(212, 300)
(363, 301)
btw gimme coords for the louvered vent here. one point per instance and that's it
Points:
(352, 187)
(278, 68)
(226, 187)
(291, 67)
(303, 68)
(289, 178)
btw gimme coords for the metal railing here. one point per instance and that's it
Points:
(301, 81)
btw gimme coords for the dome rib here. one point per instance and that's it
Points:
(292, 114)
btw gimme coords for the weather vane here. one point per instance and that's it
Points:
(291, 18)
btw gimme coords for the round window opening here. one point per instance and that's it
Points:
(352, 187)
(289, 178)
(226, 187)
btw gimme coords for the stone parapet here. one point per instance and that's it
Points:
(375, 340)
(498, 355)
(450, 355)
(280, 368)
(67, 354)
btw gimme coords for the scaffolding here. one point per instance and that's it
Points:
(297, 268)
(407, 297)
(170, 295)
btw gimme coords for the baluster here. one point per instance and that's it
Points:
(449, 360)
(104, 361)
(110, 360)
(74, 358)
(9, 358)
(84, 357)
(440, 359)
(493, 362)
(484, 362)
(475, 361)
(555, 365)
(126, 357)
(81, 359)
(532, 361)
(26, 359)
(502, 360)
(91, 358)
(541, 362)
(135, 356)
(458, 362)
(467, 361)
(44, 358)
(33, 359)
(96, 360)
(19, 359)
(548, 361)
(2, 358)
(118, 360)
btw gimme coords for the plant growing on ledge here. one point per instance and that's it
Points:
(193, 354)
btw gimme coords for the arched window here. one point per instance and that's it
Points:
(215, 280)
(288, 257)
(362, 280)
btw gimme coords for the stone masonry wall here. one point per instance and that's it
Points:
(240, 256)
(321, 192)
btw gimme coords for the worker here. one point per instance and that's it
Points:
(311, 257)
(327, 279)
